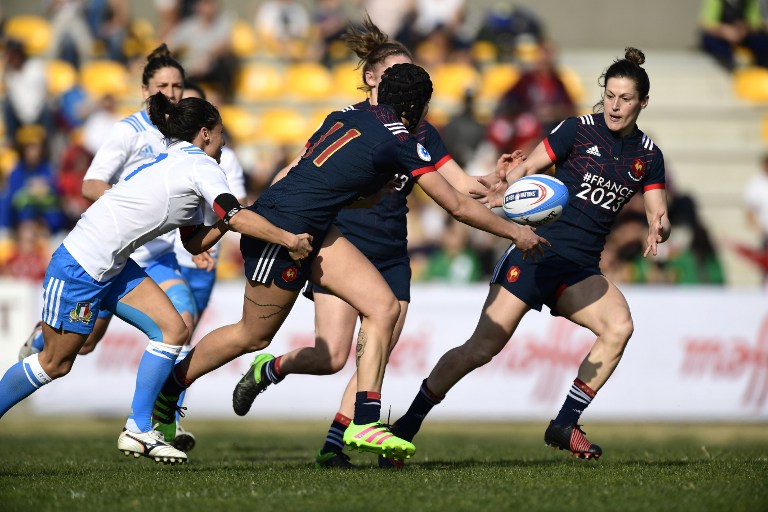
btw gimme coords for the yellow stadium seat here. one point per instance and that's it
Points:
(142, 39)
(284, 126)
(243, 39)
(764, 131)
(8, 160)
(239, 124)
(62, 76)
(33, 31)
(484, 53)
(346, 80)
(308, 81)
(258, 82)
(751, 84)
(101, 77)
(496, 80)
(572, 83)
(451, 81)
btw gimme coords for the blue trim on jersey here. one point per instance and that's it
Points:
(130, 122)
(160, 158)
(193, 150)
(140, 320)
(146, 118)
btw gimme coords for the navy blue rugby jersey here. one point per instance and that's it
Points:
(353, 154)
(381, 231)
(602, 172)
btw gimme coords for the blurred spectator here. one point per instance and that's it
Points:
(168, 14)
(540, 91)
(204, 43)
(728, 24)
(391, 16)
(71, 38)
(693, 260)
(99, 122)
(75, 160)
(330, 19)
(26, 90)
(756, 202)
(431, 15)
(109, 21)
(29, 252)
(507, 26)
(463, 133)
(31, 189)
(285, 27)
(454, 261)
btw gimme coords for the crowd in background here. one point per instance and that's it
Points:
(51, 138)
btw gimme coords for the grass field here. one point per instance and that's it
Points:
(68, 464)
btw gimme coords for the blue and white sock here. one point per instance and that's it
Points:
(38, 344)
(21, 380)
(155, 366)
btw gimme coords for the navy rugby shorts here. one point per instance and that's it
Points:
(539, 282)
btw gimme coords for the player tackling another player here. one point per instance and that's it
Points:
(91, 270)
(353, 155)
(604, 159)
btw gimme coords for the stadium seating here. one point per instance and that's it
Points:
(101, 77)
(346, 80)
(243, 39)
(484, 53)
(283, 126)
(308, 81)
(451, 81)
(62, 76)
(573, 83)
(33, 31)
(751, 84)
(239, 124)
(258, 82)
(496, 80)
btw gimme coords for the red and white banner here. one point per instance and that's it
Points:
(696, 354)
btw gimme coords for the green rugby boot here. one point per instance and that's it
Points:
(378, 438)
(250, 385)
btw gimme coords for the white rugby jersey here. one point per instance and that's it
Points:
(236, 180)
(133, 141)
(154, 199)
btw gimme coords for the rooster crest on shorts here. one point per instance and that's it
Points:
(81, 313)
(290, 274)
(513, 274)
(638, 170)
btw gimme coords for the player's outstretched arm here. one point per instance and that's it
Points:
(249, 223)
(471, 212)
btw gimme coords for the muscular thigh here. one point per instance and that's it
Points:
(265, 308)
(344, 271)
(592, 303)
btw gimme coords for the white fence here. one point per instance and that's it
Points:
(697, 354)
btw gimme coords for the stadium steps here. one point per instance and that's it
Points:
(712, 141)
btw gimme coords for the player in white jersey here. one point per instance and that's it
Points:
(199, 272)
(133, 142)
(92, 269)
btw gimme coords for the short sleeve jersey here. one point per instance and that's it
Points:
(132, 142)
(602, 172)
(381, 231)
(236, 180)
(352, 155)
(153, 200)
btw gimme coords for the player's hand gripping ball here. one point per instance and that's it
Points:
(535, 200)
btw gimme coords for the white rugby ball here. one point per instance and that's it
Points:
(535, 200)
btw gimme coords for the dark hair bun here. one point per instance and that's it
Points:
(634, 55)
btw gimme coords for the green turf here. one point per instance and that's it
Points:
(63, 464)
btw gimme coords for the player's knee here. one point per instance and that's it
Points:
(176, 334)
(617, 333)
(335, 362)
(56, 368)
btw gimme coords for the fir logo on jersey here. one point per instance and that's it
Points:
(290, 274)
(81, 313)
(423, 153)
(513, 274)
(637, 171)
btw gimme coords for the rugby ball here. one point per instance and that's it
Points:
(535, 200)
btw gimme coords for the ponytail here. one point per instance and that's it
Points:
(183, 120)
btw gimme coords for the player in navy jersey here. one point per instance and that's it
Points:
(604, 159)
(380, 233)
(354, 154)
